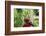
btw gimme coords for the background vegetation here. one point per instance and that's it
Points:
(20, 14)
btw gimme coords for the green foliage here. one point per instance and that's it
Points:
(36, 12)
(17, 17)
(36, 22)
(19, 14)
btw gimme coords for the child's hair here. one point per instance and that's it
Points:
(26, 19)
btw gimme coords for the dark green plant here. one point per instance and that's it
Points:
(36, 12)
(17, 19)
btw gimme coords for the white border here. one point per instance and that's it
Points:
(26, 28)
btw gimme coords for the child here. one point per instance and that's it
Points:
(28, 23)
